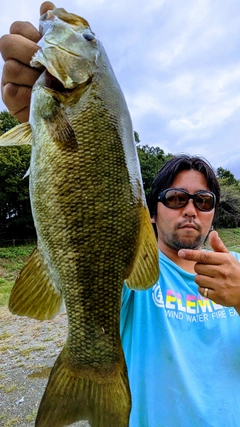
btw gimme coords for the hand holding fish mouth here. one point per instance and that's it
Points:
(17, 49)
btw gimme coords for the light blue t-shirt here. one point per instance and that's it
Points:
(182, 353)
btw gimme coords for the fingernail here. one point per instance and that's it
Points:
(181, 253)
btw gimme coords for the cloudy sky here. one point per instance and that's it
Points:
(178, 63)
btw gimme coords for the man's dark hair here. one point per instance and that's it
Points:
(170, 170)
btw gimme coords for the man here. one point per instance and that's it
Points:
(181, 345)
(180, 338)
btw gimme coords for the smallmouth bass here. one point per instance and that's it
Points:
(91, 218)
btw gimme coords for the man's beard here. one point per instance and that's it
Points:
(176, 242)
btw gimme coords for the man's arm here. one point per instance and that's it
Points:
(17, 49)
(219, 271)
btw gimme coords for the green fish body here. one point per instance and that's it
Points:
(91, 219)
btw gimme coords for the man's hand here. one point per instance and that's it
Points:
(218, 271)
(17, 49)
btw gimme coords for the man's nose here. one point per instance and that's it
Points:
(190, 209)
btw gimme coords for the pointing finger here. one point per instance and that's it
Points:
(202, 257)
(216, 243)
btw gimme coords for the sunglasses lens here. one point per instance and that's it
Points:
(204, 201)
(175, 199)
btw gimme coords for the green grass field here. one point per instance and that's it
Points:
(12, 260)
(231, 238)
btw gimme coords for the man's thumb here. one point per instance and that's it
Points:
(216, 243)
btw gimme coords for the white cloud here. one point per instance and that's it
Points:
(178, 64)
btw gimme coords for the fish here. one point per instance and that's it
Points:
(94, 231)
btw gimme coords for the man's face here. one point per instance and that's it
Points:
(185, 227)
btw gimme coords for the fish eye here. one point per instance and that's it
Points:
(88, 36)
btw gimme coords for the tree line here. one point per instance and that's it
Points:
(153, 158)
(16, 220)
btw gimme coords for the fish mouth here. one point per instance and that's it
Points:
(51, 82)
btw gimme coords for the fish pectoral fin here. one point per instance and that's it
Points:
(145, 269)
(19, 135)
(33, 294)
(83, 393)
(60, 128)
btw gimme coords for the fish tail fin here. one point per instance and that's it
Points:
(73, 394)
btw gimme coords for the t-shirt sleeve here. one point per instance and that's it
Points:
(236, 255)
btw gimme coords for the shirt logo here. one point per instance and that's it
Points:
(157, 296)
(193, 308)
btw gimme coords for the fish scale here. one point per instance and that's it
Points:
(91, 218)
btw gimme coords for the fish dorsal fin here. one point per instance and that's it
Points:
(19, 135)
(33, 294)
(145, 270)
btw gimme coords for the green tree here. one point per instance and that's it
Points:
(229, 207)
(226, 177)
(15, 212)
(151, 160)
(136, 137)
(7, 122)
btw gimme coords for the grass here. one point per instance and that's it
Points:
(4, 336)
(231, 238)
(10, 388)
(2, 416)
(27, 351)
(12, 259)
(11, 422)
(31, 417)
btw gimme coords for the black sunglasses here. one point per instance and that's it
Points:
(176, 198)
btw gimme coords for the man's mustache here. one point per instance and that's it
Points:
(190, 222)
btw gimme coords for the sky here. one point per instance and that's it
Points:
(178, 64)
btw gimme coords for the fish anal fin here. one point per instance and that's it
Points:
(74, 394)
(33, 294)
(19, 135)
(145, 269)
